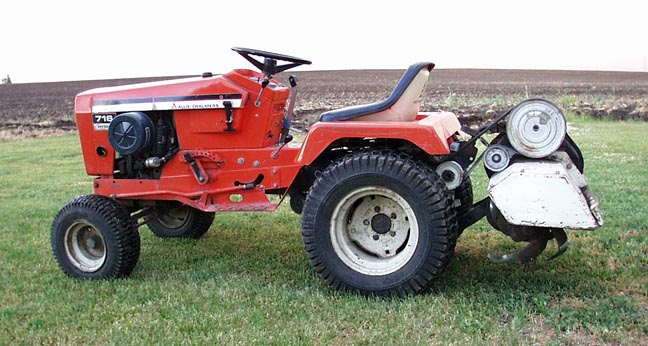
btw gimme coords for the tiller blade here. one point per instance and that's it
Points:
(536, 236)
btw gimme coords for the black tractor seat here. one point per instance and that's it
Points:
(380, 110)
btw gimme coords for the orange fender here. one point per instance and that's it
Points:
(431, 132)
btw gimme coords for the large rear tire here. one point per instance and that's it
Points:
(94, 238)
(379, 223)
(463, 198)
(175, 220)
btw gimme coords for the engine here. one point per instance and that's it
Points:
(143, 142)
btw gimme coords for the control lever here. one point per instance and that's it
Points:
(264, 84)
(293, 96)
(197, 169)
(287, 140)
(287, 121)
(229, 117)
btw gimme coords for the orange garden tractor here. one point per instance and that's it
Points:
(383, 189)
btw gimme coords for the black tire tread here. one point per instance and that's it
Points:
(124, 232)
(464, 194)
(428, 185)
(463, 198)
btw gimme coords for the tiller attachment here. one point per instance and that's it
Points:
(537, 187)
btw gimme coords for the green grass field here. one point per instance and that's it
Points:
(248, 281)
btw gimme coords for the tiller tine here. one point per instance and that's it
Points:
(537, 244)
(528, 254)
(536, 236)
(561, 239)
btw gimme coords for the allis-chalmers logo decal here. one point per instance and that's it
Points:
(213, 101)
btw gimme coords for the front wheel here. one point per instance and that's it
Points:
(175, 220)
(379, 223)
(94, 238)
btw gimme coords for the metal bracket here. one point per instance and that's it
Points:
(474, 214)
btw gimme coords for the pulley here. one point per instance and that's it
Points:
(496, 158)
(536, 128)
(451, 173)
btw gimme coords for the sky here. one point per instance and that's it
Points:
(44, 41)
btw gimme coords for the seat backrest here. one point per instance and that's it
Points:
(407, 106)
(402, 104)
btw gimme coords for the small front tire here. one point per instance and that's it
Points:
(93, 237)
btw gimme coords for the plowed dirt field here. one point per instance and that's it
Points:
(45, 109)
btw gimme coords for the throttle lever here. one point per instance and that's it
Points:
(264, 84)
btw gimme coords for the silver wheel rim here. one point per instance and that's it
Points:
(374, 231)
(85, 247)
(173, 218)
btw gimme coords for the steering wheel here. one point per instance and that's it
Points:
(269, 65)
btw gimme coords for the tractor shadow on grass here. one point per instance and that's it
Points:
(230, 257)
(253, 259)
(471, 275)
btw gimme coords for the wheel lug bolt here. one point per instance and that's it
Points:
(376, 237)
(377, 209)
(393, 216)
(366, 222)
(392, 233)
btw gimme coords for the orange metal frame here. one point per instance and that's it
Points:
(231, 159)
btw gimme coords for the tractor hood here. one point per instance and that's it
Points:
(179, 94)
